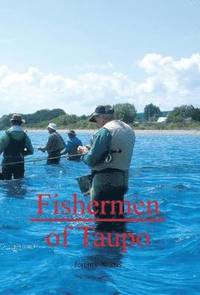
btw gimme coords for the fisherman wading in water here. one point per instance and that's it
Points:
(109, 158)
(54, 146)
(15, 145)
(72, 145)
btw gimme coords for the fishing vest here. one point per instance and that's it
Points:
(123, 140)
(15, 147)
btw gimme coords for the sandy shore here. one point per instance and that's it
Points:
(169, 132)
(145, 132)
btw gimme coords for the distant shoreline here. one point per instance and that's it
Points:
(137, 131)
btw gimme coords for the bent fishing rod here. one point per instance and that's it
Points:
(42, 159)
(108, 158)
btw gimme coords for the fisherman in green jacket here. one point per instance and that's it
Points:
(109, 158)
(15, 145)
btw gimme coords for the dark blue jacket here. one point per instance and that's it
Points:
(72, 145)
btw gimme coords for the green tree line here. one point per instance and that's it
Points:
(182, 116)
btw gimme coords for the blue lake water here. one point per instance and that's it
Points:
(164, 168)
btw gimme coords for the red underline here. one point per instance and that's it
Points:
(159, 219)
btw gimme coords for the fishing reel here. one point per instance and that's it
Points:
(109, 156)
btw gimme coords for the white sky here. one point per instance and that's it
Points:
(78, 54)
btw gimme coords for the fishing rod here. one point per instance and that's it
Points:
(43, 159)
(108, 158)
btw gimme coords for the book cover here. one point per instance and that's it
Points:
(99, 147)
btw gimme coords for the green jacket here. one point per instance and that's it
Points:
(17, 133)
(100, 147)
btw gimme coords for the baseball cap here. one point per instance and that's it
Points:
(101, 110)
(72, 132)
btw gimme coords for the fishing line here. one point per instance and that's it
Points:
(43, 159)
(108, 158)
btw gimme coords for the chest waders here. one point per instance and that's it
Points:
(13, 153)
(110, 177)
(53, 157)
(99, 185)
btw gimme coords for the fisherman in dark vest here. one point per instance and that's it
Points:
(54, 146)
(15, 145)
(72, 145)
(109, 158)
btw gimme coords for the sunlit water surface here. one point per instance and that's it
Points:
(164, 168)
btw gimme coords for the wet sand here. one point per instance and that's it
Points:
(140, 132)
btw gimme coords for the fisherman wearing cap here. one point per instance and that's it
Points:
(15, 145)
(109, 158)
(72, 145)
(54, 146)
